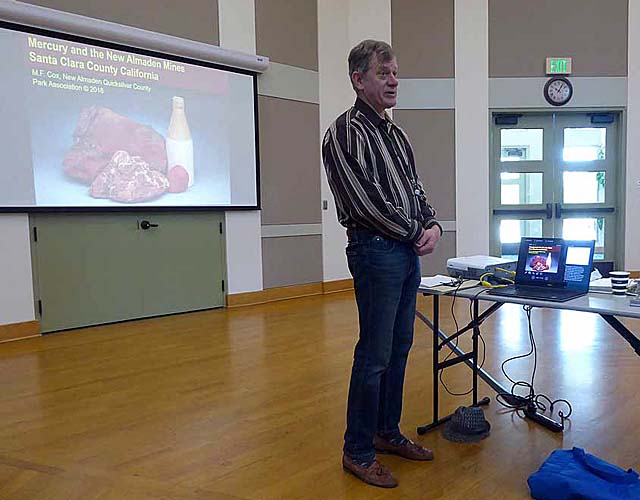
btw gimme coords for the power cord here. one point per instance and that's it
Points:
(455, 321)
(532, 404)
(492, 280)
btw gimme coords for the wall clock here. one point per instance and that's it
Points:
(558, 91)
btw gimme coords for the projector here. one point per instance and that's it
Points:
(475, 266)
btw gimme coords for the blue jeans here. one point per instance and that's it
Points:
(386, 275)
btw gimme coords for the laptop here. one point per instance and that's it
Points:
(551, 269)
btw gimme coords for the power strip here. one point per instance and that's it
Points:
(531, 412)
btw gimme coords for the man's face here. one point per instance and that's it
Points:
(379, 84)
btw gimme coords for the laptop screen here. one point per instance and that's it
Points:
(579, 261)
(540, 262)
(554, 262)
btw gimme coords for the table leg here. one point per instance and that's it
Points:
(471, 359)
(435, 329)
(476, 333)
(626, 334)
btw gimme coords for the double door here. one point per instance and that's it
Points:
(555, 175)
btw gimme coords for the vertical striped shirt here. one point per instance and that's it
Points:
(371, 172)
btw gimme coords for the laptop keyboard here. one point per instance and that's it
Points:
(527, 292)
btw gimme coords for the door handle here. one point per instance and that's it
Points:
(582, 210)
(145, 224)
(547, 211)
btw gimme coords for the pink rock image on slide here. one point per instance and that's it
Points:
(100, 132)
(128, 179)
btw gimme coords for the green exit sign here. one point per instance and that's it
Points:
(558, 65)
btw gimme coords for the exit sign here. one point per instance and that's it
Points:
(558, 65)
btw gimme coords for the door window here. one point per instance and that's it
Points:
(583, 187)
(511, 230)
(584, 144)
(520, 188)
(521, 144)
(590, 228)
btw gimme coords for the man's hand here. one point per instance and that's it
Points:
(427, 241)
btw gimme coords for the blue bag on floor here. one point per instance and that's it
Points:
(576, 475)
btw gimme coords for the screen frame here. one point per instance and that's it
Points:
(22, 28)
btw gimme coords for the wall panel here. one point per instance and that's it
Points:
(287, 31)
(292, 260)
(289, 161)
(432, 135)
(522, 33)
(190, 19)
(422, 36)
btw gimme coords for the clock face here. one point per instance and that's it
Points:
(558, 91)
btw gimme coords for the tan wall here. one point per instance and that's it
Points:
(191, 19)
(287, 31)
(289, 161)
(522, 33)
(291, 260)
(432, 134)
(422, 33)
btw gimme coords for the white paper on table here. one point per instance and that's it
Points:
(600, 285)
(604, 285)
(437, 280)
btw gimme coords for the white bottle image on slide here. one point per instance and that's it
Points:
(179, 143)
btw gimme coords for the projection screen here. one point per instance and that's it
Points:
(88, 125)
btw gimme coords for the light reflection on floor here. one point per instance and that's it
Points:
(577, 330)
(568, 337)
(574, 331)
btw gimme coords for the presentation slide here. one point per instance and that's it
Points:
(543, 258)
(578, 256)
(85, 126)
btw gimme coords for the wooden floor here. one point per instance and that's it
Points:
(249, 403)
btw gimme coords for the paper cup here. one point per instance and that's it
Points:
(619, 274)
(619, 282)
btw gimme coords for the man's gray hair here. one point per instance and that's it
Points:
(360, 55)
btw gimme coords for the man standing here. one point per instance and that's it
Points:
(382, 203)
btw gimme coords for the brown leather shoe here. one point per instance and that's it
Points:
(376, 474)
(408, 449)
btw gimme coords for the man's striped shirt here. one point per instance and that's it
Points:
(372, 174)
